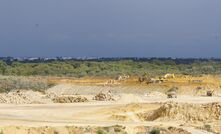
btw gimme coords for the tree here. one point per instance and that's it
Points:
(3, 67)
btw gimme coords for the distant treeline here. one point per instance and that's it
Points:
(111, 67)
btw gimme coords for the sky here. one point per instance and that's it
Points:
(110, 28)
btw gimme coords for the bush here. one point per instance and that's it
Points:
(12, 83)
(100, 131)
(155, 131)
(207, 127)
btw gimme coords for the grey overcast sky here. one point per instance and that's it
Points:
(110, 28)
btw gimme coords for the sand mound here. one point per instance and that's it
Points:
(22, 97)
(128, 112)
(185, 112)
(104, 97)
(69, 99)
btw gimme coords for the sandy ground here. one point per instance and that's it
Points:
(32, 112)
(99, 114)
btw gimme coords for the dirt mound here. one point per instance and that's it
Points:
(185, 112)
(69, 99)
(22, 97)
(104, 97)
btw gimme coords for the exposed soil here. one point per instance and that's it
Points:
(78, 106)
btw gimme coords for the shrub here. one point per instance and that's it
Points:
(155, 131)
(100, 131)
(12, 83)
(207, 127)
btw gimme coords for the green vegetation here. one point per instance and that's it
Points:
(207, 127)
(8, 83)
(100, 131)
(155, 131)
(109, 68)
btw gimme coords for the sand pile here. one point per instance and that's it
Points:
(70, 99)
(104, 97)
(185, 112)
(22, 97)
